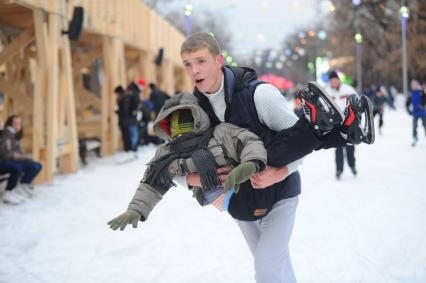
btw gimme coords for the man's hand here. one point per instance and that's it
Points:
(121, 221)
(239, 175)
(268, 177)
(195, 179)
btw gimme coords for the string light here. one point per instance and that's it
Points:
(358, 37)
(404, 11)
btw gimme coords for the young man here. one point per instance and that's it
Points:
(265, 207)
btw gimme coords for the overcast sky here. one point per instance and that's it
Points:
(257, 23)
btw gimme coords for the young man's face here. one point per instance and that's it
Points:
(204, 69)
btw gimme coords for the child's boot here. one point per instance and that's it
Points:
(319, 109)
(358, 125)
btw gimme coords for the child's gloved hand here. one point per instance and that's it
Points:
(239, 175)
(121, 221)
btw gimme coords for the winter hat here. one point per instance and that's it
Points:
(333, 75)
(181, 122)
(142, 82)
(133, 87)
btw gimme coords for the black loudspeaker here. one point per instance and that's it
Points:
(76, 25)
(159, 59)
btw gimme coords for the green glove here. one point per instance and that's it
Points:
(239, 175)
(130, 216)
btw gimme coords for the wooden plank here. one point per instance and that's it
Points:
(11, 89)
(40, 90)
(114, 70)
(61, 94)
(107, 48)
(169, 78)
(147, 69)
(86, 59)
(9, 51)
(87, 98)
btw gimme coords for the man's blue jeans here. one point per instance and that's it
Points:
(134, 137)
(27, 170)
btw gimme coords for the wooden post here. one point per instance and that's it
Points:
(68, 162)
(114, 70)
(52, 95)
(40, 92)
(147, 70)
(169, 78)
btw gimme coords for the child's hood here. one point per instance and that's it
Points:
(177, 102)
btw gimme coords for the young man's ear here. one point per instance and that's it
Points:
(220, 60)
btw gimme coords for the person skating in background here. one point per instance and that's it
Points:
(379, 100)
(416, 107)
(21, 168)
(342, 93)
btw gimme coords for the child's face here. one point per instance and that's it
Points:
(204, 69)
(181, 123)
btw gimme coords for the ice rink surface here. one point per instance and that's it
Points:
(370, 228)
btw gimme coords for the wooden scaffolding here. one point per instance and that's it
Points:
(45, 78)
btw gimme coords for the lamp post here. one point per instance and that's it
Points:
(188, 25)
(358, 48)
(404, 15)
(358, 51)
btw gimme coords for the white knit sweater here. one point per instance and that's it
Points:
(272, 109)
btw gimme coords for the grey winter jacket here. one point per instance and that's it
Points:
(229, 144)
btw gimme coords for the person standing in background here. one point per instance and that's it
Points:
(379, 100)
(135, 112)
(341, 92)
(157, 97)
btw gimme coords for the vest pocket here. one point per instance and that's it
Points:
(252, 204)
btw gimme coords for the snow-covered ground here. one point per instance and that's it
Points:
(371, 228)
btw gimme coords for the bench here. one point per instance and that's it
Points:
(87, 145)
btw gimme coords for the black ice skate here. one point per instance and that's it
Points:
(358, 125)
(319, 109)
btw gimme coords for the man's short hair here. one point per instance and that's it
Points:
(198, 41)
